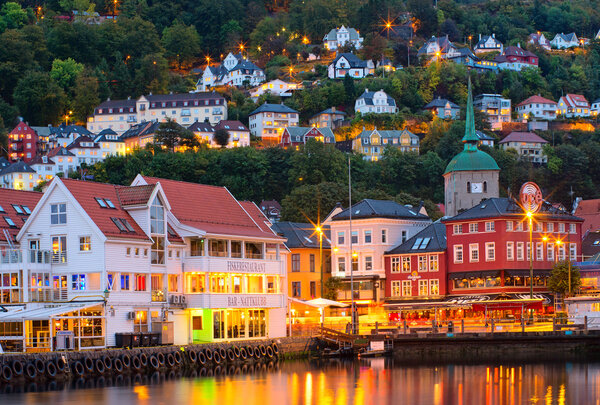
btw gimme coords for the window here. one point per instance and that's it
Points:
(157, 217)
(539, 227)
(58, 214)
(474, 252)
(561, 228)
(489, 226)
(572, 228)
(406, 264)
(434, 287)
(490, 251)
(85, 244)
(406, 288)
(140, 282)
(18, 209)
(539, 251)
(550, 227)
(10, 222)
(550, 251)
(528, 251)
(396, 289)
(313, 289)
(423, 287)
(573, 252)
(312, 263)
(368, 262)
(422, 263)
(172, 282)
(510, 250)
(341, 264)
(520, 250)
(434, 263)
(59, 249)
(395, 261)
(404, 236)
(561, 252)
(157, 252)
(509, 226)
(354, 237)
(341, 238)
(519, 227)
(101, 202)
(384, 235)
(78, 282)
(109, 203)
(458, 254)
(296, 262)
(473, 228)
(457, 229)
(128, 251)
(296, 289)
(367, 236)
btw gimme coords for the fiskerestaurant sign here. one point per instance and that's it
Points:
(246, 267)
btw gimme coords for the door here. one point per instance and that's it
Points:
(60, 288)
(34, 251)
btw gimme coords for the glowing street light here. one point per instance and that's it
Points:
(305, 40)
(319, 231)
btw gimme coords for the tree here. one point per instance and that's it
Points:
(332, 286)
(64, 72)
(558, 282)
(312, 202)
(170, 134)
(12, 15)
(182, 44)
(40, 100)
(85, 96)
(221, 137)
(8, 114)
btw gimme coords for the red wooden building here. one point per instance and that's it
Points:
(22, 143)
(296, 136)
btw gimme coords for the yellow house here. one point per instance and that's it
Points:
(372, 143)
(304, 271)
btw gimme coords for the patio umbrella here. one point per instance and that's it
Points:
(323, 303)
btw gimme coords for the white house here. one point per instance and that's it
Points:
(19, 176)
(377, 226)
(239, 135)
(66, 161)
(269, 120)
(497, 108)
(236, 70)
(537, 107)
(529, 146)
(540, 40)
(142, 258)
(488, 43)
(573, 105)
(375, 102)
(110, 143)
(349, 64)
(564, 41)
(439, 47)
(339, 37)
(596, 107)
(443, 108)
(275, 87)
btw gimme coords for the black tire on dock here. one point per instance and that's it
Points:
(270, 352)
(61, 364)
(275, 348)
(88, 362)
(209, 354)
(136, 364)
(217, 357)
(202, 358)
(144, 359)
(250, 351)
(154, 363)
(51, 369)
(243, 353)
(178, 358)
(170, 360)
(126, 360)
(30, 371)
(107, 362)
(17, 367)
(6, 374)
(161, 358)
(223, 353)
(263, 350)
(257, 354)
(192, 355)
(230, 354)
(78, 368)
(100, 366)
(236, 352)
(117, 365)
(40, 366)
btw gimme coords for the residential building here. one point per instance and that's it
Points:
(339, 37)
(309, 259)
(110, 143)
(489, 248)
(351, 65)
(564, 41)
(329, 118)
(497, 108)
(139, 135)
(529, 146)
(386, 65)
(64, 135)
(203, 131)
(269, 120)
(239, 135)
(185, 108)
(464, 56)
(488, 43)
(537, 107)
(235, 70)
(472, 175)
(485, 139)
(416, 268)
(22, 143)
(595, 110)
(19, 176)
(66, 162)
(443, 108)
(538, 39)
(372, 143)
(516, 58)
(86, 150)
(271, 209)
(573, 105)
(375, 102)
(44, 166)
(15, 208)
(358, 246)
(121, 257)
(296, 136)
(43, 134)
(275, 87)
(438, 47)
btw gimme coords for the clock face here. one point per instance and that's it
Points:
(476, 188)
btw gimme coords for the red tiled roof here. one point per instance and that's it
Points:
(536, 99)
(589, 210)
(576, 100)
(134, 195)
(85, 192)
(209, 208)
(529, 137)
(8, 197)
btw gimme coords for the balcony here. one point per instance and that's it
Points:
(232, 265)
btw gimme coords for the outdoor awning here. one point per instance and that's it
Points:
(501, 305)
(473, 274)
(525, 273)
(42, 313)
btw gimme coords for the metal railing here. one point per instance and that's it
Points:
(39, 256)
(59, 257)
(11, 256)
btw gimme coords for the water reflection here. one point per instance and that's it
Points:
(375, 381)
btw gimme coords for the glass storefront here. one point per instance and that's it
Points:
(239, 323)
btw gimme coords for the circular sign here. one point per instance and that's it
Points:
(531, 197)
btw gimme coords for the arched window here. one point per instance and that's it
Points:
(485, 186)
(468, 186)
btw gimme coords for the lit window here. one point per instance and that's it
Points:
(85, 244)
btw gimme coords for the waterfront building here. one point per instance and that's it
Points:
(101, 259)
(358, 246)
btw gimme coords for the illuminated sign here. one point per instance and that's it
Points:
(531, 197)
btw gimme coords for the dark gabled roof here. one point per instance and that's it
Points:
(4, 162)
(64, 130)
(517, 51)
(231, 125)
(301, 235)
(368, 97)
(115, 104)
(39, 160)
(107, 131)
(443, 43)
(17, 167)
(380, 209)
(276, 108)
(430, 239)
(506, 207)
(245, 65)
(201, 127)
(483, 136)
(353, 60)
(528, 137)
(141, 129)
(440, 102)
(329, 111)
(60, 151)
(77, 143)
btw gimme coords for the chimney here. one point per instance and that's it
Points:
(518, 44)
(493, 35)
(128, 97)
(366, 90)
(480, 37)
(333, 109)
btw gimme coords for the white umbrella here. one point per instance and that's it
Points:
(322, 303)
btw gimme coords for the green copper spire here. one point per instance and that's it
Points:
(470, 139)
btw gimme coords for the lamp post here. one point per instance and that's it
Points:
(530, 219)
(319, 230)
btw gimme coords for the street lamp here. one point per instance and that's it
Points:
(319, 230)
(529, 216)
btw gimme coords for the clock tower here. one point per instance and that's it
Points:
(472, 175)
